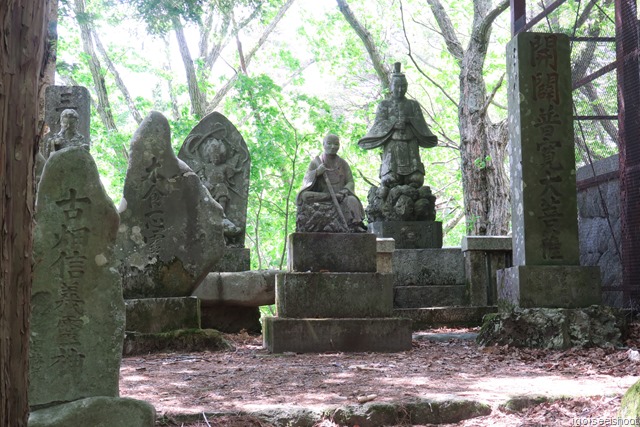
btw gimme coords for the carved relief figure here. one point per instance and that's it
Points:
(327, 201)
(68, 136)
(399, 128)
(221, 161)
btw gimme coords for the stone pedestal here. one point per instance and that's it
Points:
(553, 286)
(483, 256)
(332, 298)
(385, 248)
(410, 234)
(156, 315)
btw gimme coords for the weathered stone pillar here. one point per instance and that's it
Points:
(546, 257)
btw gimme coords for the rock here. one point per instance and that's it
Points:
(77, 318)
(171, 228)
(630, 405)
(555, 328)
(96, 412)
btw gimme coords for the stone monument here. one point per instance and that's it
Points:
(170, 232)
(327, 200)
(401, 207)
(218, 154)
(546, 258)
(332, 298)
(60, 98)
(77, 318)
(68, 135)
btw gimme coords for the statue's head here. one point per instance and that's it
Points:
(331, 144)
(216, 151)
(398, 82)
(69, 119)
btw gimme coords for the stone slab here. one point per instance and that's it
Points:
(153, 315)
(542, 155)
(231, 318)
(385, 245)
(218, 154)
(430, 317)
(245, 288)
(549, 286)
(336, 252)
(429, 296)
(486, 243)
(428, 267)
(410, 234)
(335, 295)
(77, 309)
(180, 340)
(333, 335)
(96, 411)
(234, 259)
(171, 230)
(59, 98)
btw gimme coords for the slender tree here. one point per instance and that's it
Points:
(23, 37)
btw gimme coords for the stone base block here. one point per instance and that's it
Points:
(385, 248)
(242, 288)
(428, 296)
(96, 411)
(551, 286)
(335, 295)
(427, 267)
(430, 317)
(234, 259)
(339, 252)
(231, 319)
(486, 243)
(331, 335)
(556, 328)
(181, 340)
(410, 234)
(153, 315)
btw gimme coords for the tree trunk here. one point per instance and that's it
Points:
(485, 182)
(197, 97)
(22, 43)
(103, 106)
(112, 68)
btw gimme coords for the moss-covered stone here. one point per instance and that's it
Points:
(520, 403)
(556, 328)
(184, 340)
(630, 405)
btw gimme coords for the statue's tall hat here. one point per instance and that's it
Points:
(397, 74)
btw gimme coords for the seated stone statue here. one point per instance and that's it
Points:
(326, 202)
(68, 135)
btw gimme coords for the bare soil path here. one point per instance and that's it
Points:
(584, 383)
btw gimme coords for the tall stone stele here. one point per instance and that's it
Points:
(402, 207)
(218, 154)
(77, 315)
(170, 232)
(547, 271)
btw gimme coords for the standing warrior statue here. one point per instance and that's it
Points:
(400, 128)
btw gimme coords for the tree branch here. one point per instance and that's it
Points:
(444, 22)
(382, 71)
(484, 29)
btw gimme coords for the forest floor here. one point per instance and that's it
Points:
(228, 388)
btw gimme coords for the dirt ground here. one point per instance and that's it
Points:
(583, 383)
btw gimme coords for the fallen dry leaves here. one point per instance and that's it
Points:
(582, 382)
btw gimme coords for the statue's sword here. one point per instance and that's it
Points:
(335, 200)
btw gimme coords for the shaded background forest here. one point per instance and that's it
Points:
(288, 72)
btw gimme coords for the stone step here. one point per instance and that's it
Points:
(428, 267)
(155, 315)
(336, 335)
(429, 296)
(424, 318)
(244, 288)
(334, 295)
